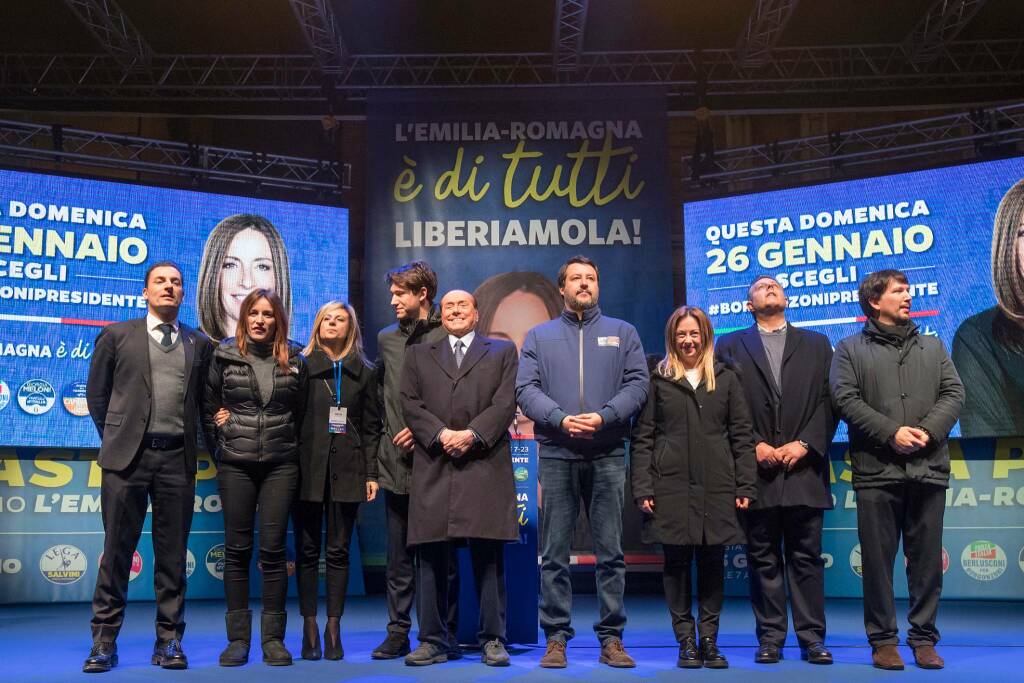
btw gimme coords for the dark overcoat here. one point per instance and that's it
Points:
(799, 410)
(348, 460)
(694, 453)
(472, 496)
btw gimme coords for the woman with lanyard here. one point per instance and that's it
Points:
(337, 467)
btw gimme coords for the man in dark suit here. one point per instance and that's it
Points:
(458, 398)
(785, 379)
(144, 392)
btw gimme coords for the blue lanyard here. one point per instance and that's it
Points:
(337, 381)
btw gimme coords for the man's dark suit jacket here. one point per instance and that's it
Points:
(472, 496)
(120, 393)
(803, 412)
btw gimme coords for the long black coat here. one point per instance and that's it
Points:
(802, 412)
(694, 453)
(350, 459)
(119, 391)
(472, 496)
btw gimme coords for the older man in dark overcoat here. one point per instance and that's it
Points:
(458, 398)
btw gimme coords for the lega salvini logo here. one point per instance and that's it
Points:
(63, 564)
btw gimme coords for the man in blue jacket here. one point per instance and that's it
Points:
(582, 378)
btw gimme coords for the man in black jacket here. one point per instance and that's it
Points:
(413, 288)
(144, 392)
(785, 380)
(900, 395)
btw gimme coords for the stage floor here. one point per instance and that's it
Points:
(982, 642)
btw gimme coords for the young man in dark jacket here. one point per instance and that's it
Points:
(785, 381)
(582, 378)
(900, 395)
(413, 288)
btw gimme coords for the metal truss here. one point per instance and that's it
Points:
(940, 25)
(321, 29)
(763, 29)
(113, 29)
(248, 78)
(21, 142)
(936, 139)
(570, 22)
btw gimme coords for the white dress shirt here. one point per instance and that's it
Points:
(153, 324)
(467, 339)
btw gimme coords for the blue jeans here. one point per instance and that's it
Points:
(599, 484)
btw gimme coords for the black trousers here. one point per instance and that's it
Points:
(401, 571)
(884, 514)
(307, 521)
(710, 588)
(784, 549)
(488, 558)
(160, 477)
(270, 487)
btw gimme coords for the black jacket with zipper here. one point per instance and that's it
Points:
(256, 432)
(880, 383)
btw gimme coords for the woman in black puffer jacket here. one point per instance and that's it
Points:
(255, 398)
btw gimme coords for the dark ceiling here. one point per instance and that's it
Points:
(34, 31)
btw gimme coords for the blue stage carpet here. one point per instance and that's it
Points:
(983, 642)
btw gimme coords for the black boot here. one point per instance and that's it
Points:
(310, 639)
(332, 639)
(272, 625)
(689, 657)
(239, 626)
(712, 656)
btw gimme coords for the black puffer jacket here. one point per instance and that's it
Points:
(255, 432)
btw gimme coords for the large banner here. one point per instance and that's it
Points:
(73, 254)
(496, 189)
(953, 231)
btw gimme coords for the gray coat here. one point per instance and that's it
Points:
(880, 383)
(394, 466)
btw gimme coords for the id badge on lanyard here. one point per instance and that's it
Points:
(337, 417)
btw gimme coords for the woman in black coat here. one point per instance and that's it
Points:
(255, 396)
(692, 467)
(337, 466)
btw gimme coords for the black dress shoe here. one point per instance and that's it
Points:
(713, 658)
(169, 655)
(689, 657)
(768, 654)
(815, 653)
(102, 658)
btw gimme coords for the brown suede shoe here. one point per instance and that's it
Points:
(887, 657)
(613, 654)
(554, 656)
(927, 658)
